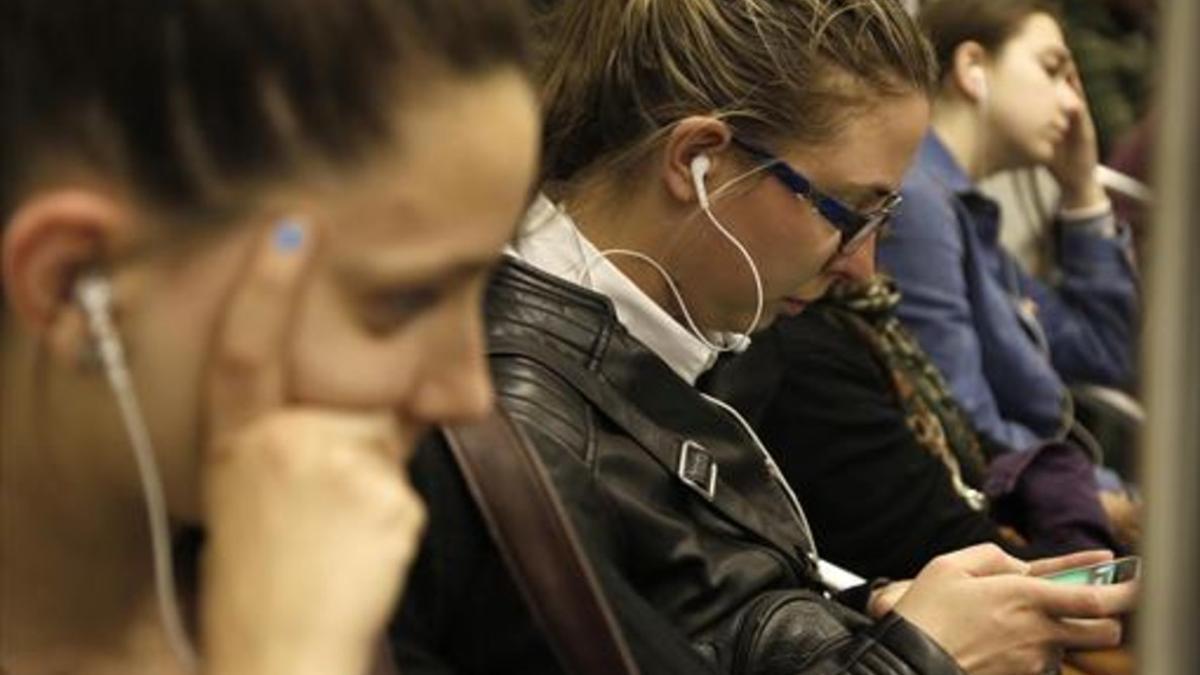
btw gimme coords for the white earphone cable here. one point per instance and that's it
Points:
(95, 296)
(671, 285)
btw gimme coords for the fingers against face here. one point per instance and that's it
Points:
(247, 375)
(1083, 115)
(1075, 80)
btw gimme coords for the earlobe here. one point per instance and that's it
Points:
(51, 238)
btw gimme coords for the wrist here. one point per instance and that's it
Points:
(238, 641)
(1083, 197)
(885, 593)
(876, 608)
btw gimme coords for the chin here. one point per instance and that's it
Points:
(1041, 153)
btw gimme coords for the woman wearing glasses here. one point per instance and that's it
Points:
(708, 167)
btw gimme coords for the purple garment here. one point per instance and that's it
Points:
(1050, 495)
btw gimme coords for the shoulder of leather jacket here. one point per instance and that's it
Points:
(543, 404)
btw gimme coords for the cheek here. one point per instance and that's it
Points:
(336, 362)
(793, 250)
(1028, 103)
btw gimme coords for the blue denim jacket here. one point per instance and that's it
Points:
(1006, 342)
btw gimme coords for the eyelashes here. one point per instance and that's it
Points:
(387, 311)
(1056, 69)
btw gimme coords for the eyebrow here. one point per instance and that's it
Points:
(1058, 52)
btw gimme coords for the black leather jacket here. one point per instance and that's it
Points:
(633, 450)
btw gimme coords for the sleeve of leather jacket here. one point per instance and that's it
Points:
(800, 633)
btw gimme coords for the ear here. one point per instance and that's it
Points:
(969, 71)
(690, 138)
(50, 238)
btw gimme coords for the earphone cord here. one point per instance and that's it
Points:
(674, 288)
(95, 298)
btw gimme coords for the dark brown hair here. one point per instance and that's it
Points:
(182, 98)
(991, 23)
(617, 73)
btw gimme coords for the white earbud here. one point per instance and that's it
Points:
(700, 167)
(94, 295)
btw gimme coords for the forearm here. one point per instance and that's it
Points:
(1085, 193)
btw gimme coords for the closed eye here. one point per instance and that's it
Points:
(1056, 65)
(385, 312)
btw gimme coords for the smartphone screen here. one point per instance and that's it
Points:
(1111, 572)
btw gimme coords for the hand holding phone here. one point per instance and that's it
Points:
(998, 614)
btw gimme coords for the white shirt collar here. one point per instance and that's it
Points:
(550, 241)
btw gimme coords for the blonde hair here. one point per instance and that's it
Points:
(615, 74)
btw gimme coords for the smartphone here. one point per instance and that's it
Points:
(1111, 572)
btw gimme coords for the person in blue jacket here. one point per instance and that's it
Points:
(1008, 344)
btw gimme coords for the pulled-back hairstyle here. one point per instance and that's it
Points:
(615, 74)
(190, 101)
(991, 23)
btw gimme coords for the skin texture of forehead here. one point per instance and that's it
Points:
(1040, 33)
(869, 155)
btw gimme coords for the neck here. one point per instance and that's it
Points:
(634, 223)
(961, 128)
(75, 563)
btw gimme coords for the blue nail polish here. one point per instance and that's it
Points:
(289, 235)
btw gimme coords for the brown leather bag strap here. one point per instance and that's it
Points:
(540, 546)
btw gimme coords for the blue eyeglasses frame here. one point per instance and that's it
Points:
(854, 226)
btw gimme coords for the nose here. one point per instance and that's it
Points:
(858, 266)
(1069, 98)
(454, 384)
